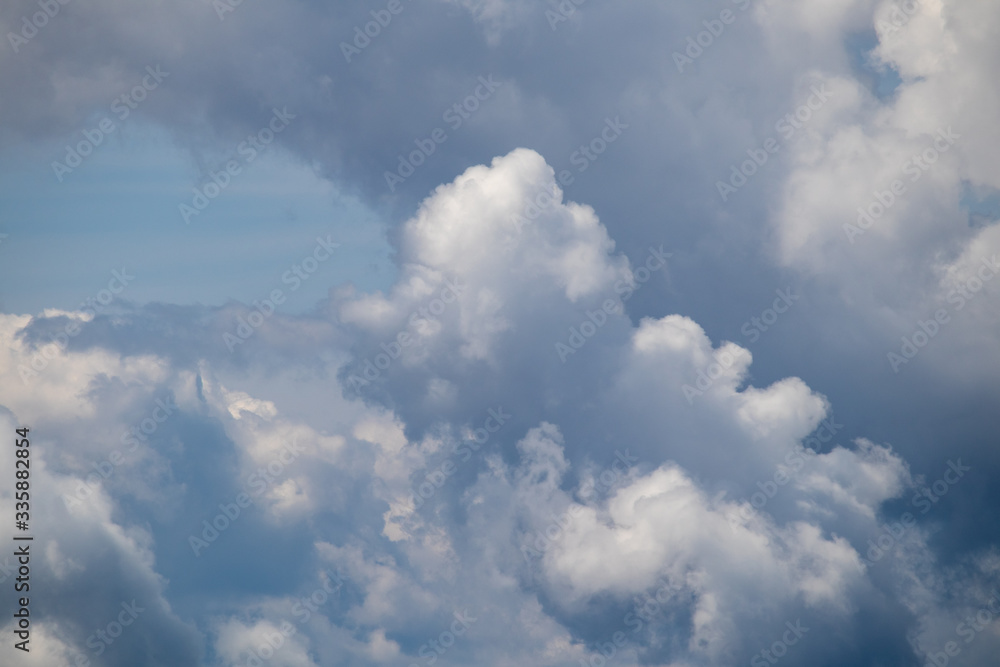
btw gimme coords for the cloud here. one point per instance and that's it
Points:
(443, 443)
(714, 493)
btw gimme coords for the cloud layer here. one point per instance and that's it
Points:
(689, 357)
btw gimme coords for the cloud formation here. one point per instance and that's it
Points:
(577, 427)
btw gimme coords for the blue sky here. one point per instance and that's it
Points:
(120, 208)
(496, 332)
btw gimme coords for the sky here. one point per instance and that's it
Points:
(499, 332)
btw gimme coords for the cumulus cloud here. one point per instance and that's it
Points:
(550, 434)
(481, 507)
